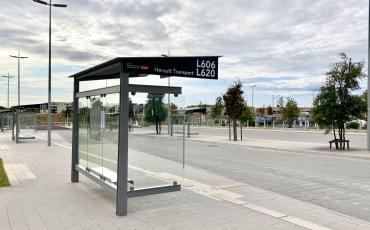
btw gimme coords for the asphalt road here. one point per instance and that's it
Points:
(356, 139)
(341, 185)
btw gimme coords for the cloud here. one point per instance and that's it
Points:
(261, 41)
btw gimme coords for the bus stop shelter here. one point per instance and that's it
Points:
(124, 68)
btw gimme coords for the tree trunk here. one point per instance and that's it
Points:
(344, 137)
(235, 131)
(335, 137)
(156, 128)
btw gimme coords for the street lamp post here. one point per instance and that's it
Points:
(19, 75)
(169, 102)
(8, 86)
(368, 86)
(254, 110)
(49, 78)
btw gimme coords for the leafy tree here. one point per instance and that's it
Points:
(269, 110)
(173, 108)
(364, 98)
(291, 111)
(260, 111)
(247, 115)
(155, 110)
(131, 114)
(234, 103)
(336, 104)
(280, 102)
(216, 111)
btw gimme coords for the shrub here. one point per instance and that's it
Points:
(353, 125)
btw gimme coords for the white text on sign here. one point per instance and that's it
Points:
(206, 68)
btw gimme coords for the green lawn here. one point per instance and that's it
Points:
(4, 182)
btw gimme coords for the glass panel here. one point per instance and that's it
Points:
(155, 158)
(95, 147)
(110, 137)
(6, 120)
(27, 124)
(83, 130)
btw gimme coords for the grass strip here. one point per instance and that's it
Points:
(4, 182)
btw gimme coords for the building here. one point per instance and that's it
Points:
(56, 107)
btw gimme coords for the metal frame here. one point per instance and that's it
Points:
(121, 188)
(131, 88)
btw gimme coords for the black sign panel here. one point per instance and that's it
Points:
(192, 67)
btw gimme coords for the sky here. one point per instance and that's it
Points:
(284, 47)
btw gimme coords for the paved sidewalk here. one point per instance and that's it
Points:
(271, 144)
(291, 146)
(42, 197)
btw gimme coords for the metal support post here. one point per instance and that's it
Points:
(17, 126)
(13, 124)
(183, 143)
(75, 132)
(188, 123)
(228, 121)
(122, 164)
(241, 130)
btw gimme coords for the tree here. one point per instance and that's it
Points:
(336, 104)
(280, 102)
(131, 114)
(155, 111)
(364, 98)
(234, 103)
(247, 115)
(173, 108)
(269, 110)
(217, 110)
(291, 111)
(260, 111)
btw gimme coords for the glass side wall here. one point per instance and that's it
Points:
(6, 120)
(155, 157)
(98, 135)
(27, 124)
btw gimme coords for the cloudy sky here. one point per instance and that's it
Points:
(282, 46)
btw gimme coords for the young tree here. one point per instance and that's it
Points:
(234, 104)
(335, 104)
(247, 115)
(155, 111)
(280, 102)
(216, 111)
(291, 111)
(364, 98)
(260, 111)
(269, 110)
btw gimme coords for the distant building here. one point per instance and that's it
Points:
(56, 107)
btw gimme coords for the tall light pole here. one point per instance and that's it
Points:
(368, 86)
(169, 100)
(49, 78)
(254, 110)
(8, 87)
(19, 75)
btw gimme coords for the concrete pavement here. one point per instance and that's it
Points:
(43, 198)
